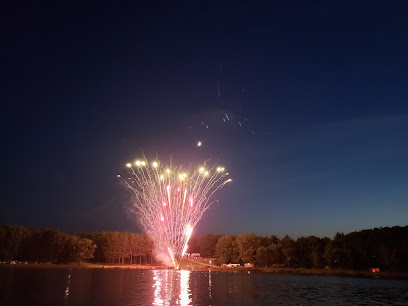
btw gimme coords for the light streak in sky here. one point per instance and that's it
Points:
(170, 201)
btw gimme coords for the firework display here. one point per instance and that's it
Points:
(170, 201)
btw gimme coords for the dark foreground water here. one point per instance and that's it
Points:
(25, 286)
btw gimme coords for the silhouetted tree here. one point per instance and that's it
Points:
(11, 237)
(262, 256)
(247, 246)
(288, 250)
(226, 250)
(206, 244)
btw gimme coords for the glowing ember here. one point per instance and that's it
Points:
(170, 202)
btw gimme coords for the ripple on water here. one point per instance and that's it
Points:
(171, 287)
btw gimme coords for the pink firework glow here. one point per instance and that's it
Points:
(170, 202)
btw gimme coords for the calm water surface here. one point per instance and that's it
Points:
(25, 286)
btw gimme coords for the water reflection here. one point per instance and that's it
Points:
(157, 289)
(185, 292)
(66, 295)
(209, 285)
(172, 287)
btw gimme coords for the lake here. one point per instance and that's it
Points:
(30, 286)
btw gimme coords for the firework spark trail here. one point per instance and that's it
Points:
(170, 202)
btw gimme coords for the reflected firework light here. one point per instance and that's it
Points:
(170, 201)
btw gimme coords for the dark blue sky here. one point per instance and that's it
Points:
(316, 93)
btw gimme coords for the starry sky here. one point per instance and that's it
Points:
(304, 102)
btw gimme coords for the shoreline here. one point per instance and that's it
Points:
(278, 271)
(82, 265)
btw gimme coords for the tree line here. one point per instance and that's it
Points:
(50, 245)
(121, 248)
(386, 248)
(43, 245)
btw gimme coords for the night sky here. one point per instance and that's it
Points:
(305, 103)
